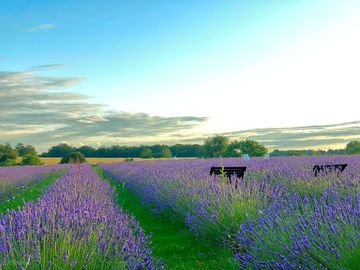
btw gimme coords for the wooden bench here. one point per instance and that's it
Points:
(329, 168)
(228, 172)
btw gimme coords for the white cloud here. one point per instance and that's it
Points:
(41, 27)
(36, 111)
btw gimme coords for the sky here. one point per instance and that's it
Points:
(144, 72)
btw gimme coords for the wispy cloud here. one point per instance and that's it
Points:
(41, 27)
(35, 109)
(49, 66)
(38, 110)
(318, 137)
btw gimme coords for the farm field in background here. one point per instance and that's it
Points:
(55, 160)
(172, 214)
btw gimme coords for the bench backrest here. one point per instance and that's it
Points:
(329, 168)
(228, 171)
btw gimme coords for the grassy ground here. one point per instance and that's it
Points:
(30, 193)
(171, 241)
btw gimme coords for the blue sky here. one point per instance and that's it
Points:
(208, 66)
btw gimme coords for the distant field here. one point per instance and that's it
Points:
(55, 160)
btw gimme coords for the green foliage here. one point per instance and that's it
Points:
(220, 146)
(31, 159)
(253, 148)
(8, 162)
(308, 152)
(8, 155)
(73, 157)
(87, 151)
(179, 150)
(216, 146)
(234, 149)
(165, 153)
(25, 150)
(353, 148)
(186, 150)
(146, 153)
(60, 150)
(160, 151)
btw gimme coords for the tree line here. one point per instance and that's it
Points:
(217, 146)
(9, 155)
(143, 151)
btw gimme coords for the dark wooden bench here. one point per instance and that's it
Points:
(329, 168)
(228, 172)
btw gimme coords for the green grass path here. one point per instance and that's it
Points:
(172, 242)
(31, 192)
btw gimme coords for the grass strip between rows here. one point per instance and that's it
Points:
(172, 242)
(31, 192)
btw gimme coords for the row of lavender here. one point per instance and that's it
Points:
(74, 225)
(281, 216)
(15, 178)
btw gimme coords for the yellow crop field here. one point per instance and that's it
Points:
(55, 160)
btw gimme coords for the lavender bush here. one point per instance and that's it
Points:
(14, 178)
(74, 225)
(281, 216)
(304, 231)
(185, 190)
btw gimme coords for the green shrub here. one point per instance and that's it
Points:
(8, 162)
(73, 157)
(146, 153)
(31, 159)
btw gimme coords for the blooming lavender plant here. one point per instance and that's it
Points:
(15, 178)
(74, 225)
(281, 216)
(304, 232)
(185, 190)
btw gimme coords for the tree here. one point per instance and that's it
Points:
(73, 157)
(156, 150)
(250, 147)
(8, 155)
(31, 159)
(87, 151)
(146, 153)
(20, 148)
(353, 148)
(234, 149)
(186, 150)
(59, 150)
(216, 146)
(166, 153)
(25, 150)
(253, 148)
(29, 154)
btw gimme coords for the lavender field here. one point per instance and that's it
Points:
(74, 225)
(12, 178)
(280, 217)
(18, 184)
